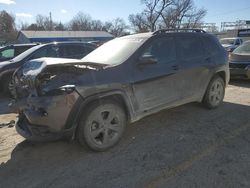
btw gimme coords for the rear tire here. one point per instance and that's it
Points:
(215, 93)
(102, 125)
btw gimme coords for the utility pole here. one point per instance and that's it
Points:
(50, 21)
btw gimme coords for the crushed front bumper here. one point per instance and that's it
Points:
(44, 118)
(35, 132)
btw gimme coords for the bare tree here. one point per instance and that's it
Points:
(7, 27)
(23, 25)
(167, 14)
(59, 27)
(7, 22)
(153, 10)
(194, 20)
(81, 22)
(138, 22)
(97, 25)
(149, 19)
(183, 14)
(117, 27)
(44, 23)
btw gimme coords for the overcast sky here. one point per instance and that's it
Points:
(64, 10)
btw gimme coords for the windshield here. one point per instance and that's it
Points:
(227, 41)
(23, 55)
(243, 49)
(115, 51)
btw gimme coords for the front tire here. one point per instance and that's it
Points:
(215, 93)
(102, 125)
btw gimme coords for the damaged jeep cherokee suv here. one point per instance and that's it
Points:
(124, 80)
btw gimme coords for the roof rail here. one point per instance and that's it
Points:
(161, 31)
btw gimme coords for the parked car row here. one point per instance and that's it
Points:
(94, 98)
(27, 52)
(239, 61)
(11, 51)
(230, 44)
(239, 57)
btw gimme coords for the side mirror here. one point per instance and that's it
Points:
(68, 88)
(147, 60)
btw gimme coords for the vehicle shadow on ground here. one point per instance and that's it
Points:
(240, 83)
(160, 141)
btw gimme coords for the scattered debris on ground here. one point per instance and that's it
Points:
(9, 125)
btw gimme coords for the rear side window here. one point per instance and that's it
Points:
(190, 47)
(211, 45)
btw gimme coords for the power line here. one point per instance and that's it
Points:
(230, 12)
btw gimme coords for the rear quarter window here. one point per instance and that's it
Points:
(211, 45)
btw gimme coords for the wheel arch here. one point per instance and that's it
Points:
(82, 103)
(222, 74)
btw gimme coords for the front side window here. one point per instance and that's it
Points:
(162, 49)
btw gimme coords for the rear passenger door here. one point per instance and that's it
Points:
(194, 65)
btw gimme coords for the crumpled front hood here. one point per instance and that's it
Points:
(58, 61)
(34, 67)
(47, 74)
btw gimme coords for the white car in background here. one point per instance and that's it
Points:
(231, 43)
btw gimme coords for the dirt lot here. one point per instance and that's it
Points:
(188, 146)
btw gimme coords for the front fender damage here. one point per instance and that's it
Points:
(45, 98)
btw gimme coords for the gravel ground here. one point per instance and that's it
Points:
(187, 146)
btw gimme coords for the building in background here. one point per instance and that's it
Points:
(62, 36)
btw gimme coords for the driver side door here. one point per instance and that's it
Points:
(156, 84)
